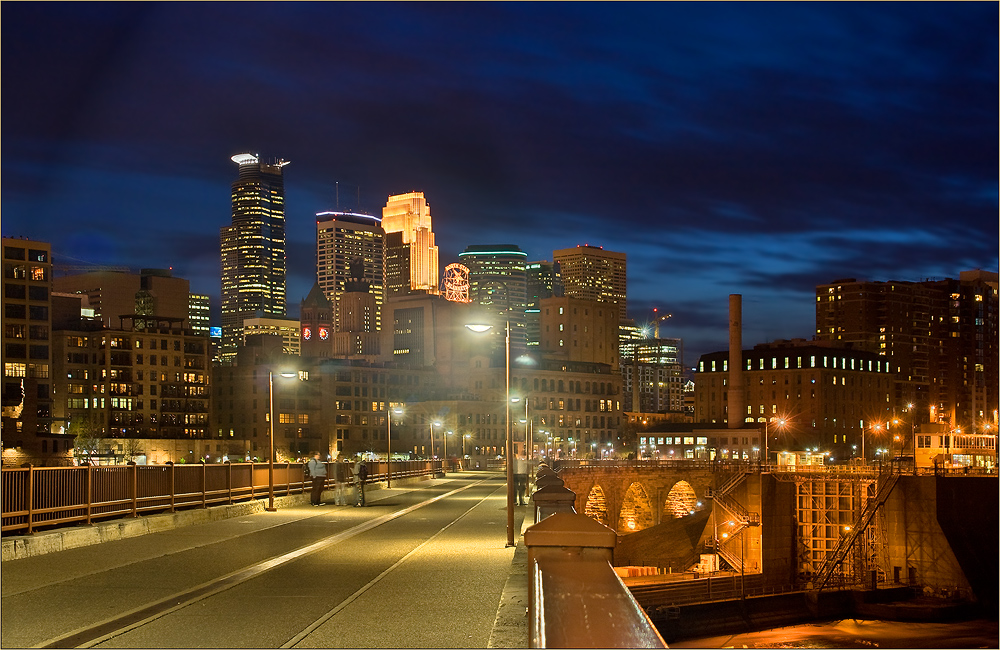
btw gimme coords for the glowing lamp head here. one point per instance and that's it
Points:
(479, 328)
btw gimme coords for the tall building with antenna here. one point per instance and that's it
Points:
(253, 249)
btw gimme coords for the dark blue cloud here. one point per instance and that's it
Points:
(750, 148)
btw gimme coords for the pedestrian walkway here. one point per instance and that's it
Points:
(90, 553)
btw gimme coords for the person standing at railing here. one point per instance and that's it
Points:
(360, 476)
(340, 480)
(317, 472)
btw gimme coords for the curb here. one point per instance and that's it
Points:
(510, 630)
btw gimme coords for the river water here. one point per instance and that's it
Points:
(857, 633)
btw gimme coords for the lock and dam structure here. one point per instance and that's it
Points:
(691, 531)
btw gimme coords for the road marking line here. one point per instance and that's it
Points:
(291, 643)
(122, 623)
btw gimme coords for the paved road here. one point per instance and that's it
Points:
(420, 567)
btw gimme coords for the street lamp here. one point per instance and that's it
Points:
(446, 434)
(388, 443)
(479, 328)
(431, 426)
(465, 439)
(781, 425)
(270, 457)
(527, 424)
(874, 427)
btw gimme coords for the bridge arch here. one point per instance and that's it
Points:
(636, 512)
(680, 501)
(596, 505)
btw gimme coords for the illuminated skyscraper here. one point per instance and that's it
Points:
(498, 284)
(342, 240)
(198, 313)
(253, 249)
(544, 281)
(592, 273)
(413, 251)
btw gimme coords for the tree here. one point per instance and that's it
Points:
(131, 447)
(628, 437)
(89, 439)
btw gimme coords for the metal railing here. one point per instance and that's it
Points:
(702, 590)
(42, 497)
(725, 466)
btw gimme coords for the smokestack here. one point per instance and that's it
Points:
(737, 401)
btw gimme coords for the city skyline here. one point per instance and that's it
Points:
(763, 152)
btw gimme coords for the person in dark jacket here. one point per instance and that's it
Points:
(360, 476)
(317, 472)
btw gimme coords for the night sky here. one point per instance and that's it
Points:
(759, 149)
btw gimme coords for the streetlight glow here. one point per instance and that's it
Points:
(287, 374)
(480, 328)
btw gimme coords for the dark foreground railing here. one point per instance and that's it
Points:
(575, 598)
(41, 497)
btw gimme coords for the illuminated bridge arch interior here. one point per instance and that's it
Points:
(597, 507)
(680, 501)
(636, 513)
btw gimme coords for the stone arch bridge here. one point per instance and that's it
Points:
(633, 496)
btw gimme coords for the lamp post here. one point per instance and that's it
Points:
(388, 443)
(446, 434)
(524, 421)
(875, 427)
(465, 438)
(480, 328)
(781, 424)
(270, 457)
(431, 426)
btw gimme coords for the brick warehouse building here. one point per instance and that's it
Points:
(829, 395)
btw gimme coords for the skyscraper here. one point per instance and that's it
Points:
(544, 280)
(592, 273)
(199, 309)
(410, 215)
(498, 284)
(343, 239)
(253, 249)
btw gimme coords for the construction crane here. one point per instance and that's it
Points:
(657, 319)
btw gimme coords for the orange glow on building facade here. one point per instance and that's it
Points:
(410, 215)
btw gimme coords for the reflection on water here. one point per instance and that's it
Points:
(855, 633)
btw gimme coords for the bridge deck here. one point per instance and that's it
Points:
(420, 567)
